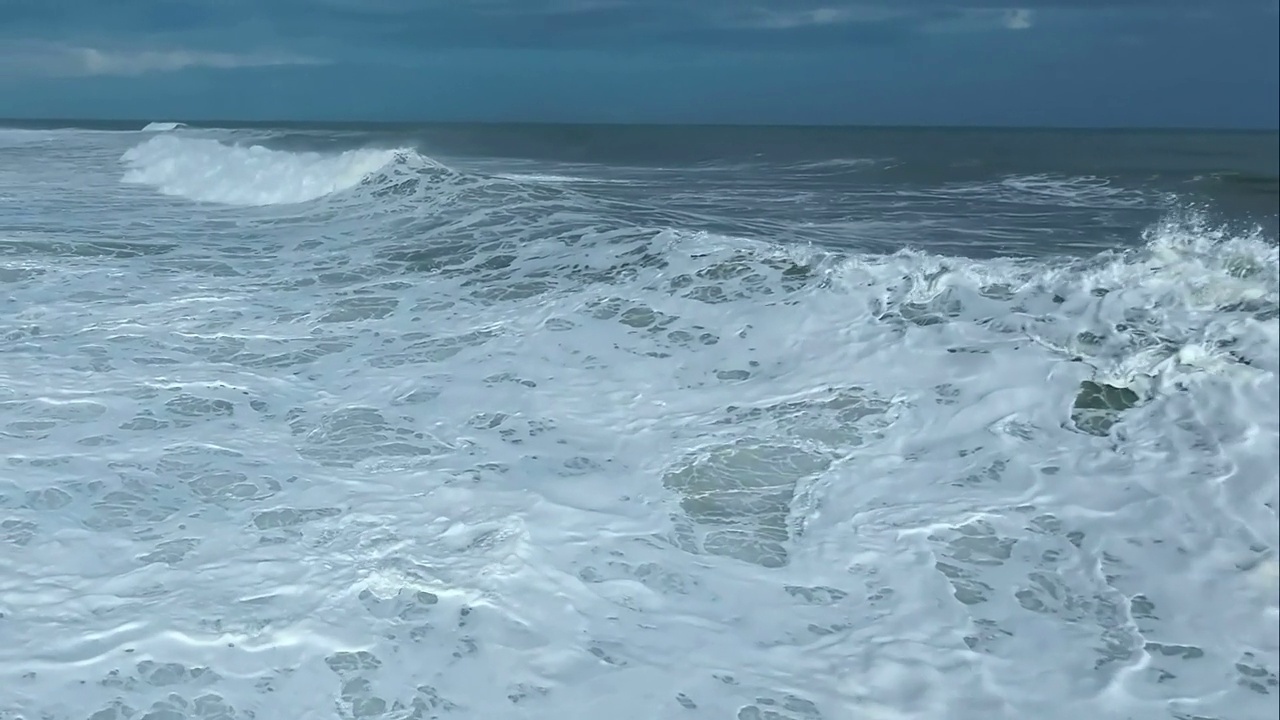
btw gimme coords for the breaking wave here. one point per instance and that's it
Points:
(162, 126)
(209, 170)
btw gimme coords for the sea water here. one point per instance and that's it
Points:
(637, 423)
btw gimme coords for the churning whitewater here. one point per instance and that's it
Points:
(314, 426)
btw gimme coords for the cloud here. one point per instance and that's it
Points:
(366, 30)
(64, 60)
(790, 18)
(1017, 19)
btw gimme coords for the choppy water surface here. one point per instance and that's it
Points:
(351, 429)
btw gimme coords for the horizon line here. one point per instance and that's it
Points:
(227, 123)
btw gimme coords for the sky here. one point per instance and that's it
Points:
(1126, 63)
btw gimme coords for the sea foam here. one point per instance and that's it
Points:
(429, 444)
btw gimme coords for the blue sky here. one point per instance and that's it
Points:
(949, 62)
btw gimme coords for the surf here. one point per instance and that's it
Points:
(214, 171)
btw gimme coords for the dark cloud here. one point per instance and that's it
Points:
(344, 26)
(1111, 62)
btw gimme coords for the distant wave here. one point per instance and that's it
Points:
(207, 170)
(842, 163)
(1063, 191)
(162, 126)
(1250, 182)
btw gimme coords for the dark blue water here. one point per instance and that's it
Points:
(973, 192)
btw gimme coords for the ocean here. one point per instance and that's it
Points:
(450, 421)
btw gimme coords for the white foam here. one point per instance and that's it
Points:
(162, 126)
(481, 450)
(207, 170)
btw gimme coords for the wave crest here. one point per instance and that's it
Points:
(162, 126)
(206, 170)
